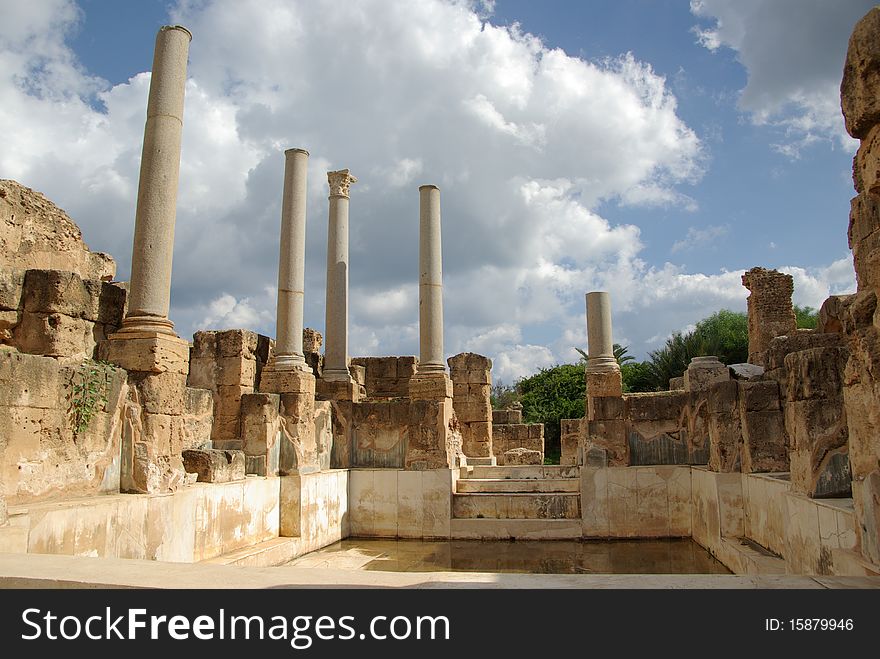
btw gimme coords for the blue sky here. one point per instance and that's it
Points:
(655, 149)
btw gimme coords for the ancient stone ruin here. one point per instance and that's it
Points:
(124, 440)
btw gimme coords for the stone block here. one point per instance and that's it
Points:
(605, 407)
(161, 393)
(815, 373)
(725, 439)
(676, 384)
(758, 396)
(800, 340)
(764, 441)
(648, 407)
(358, 374)
(213, 466)
(29, 380)
(422, 387)
(468, 412)
(605, 383)
(746, 372)
(858, 89)
(817, 422)
(722, 397)
(11, 288)
(702, 372)
(337, 389)
(146, 351)
(523, 456)
(407, 367)
(287, 382)
(609, 435)
(225, 427)
(506, 416)
(54, 335)
(199, 402)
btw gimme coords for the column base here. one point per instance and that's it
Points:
(146, 352)
(430, 386)
(139, 324)
(274, 380)
(338, 390)
(289, 362)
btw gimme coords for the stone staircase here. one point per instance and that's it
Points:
(519, 502)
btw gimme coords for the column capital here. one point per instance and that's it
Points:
(340, 181)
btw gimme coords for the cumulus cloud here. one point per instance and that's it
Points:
(525, 141)
(793, 51)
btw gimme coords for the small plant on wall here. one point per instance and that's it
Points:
(88, 393)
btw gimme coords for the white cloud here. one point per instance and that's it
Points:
(697, 237)
(793, 51)
(525, 141)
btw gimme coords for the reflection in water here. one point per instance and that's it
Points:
(670, 556)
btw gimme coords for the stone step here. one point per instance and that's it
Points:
(519, 529)
(524, 471)
(513, 485)
(517, 506)
(268, 553)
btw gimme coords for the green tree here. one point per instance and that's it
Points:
(637, 377)
(502, 396)
(550, 395)
(807, 317)
(726, 335)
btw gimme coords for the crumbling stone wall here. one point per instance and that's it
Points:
(386, 377)
(730, 424)
(288, 432)
(57, 313)
(770, 310)
(56, 298)
(43, 453)
(400, 433)
(36, 234)
(860, 101)
(472, 389)
(228, 363)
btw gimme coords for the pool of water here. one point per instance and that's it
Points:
(672, 556)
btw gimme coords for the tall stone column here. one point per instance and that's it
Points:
(336, 319)
(430, 283)
(157, 360)
(292, 264)
(605, 426)
(431, 380)
(287, 372)
(150, 288)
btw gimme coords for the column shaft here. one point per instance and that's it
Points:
(430, 282)
(336, 318)
(599, 337)
(292, 263)
(150, 288)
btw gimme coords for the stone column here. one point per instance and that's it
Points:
(150, 288)
(430, 381)
(430, 282)
(336, 323)
(605, 429)
(292, 264)
(157, 360)
(599, 337)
